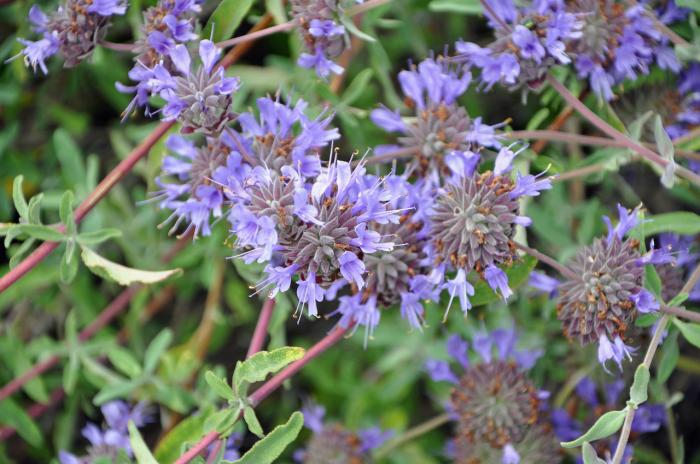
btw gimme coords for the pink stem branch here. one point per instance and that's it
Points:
(256, 343)
(613, 133)
(284, 27)
(86, 206)
(270, 386)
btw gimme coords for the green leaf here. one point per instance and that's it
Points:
(69, 156)
(357, 87)
(664, 145)
(680, 222)
(45, 233)
(219, 385)
(70, 373)
(69, 263)
(267, 450)
(18, 197)
(98, 236)
(141, 452)
(678, 299)
(517, 276)
(156, 349)
(638, 391)
(65, 210)
(669, 358)
(258, 366)
(606, 425)
(187, 431)
(470, 7)
(589, 455)
(646, 320)
(34, 214)
(226, 18)
(222, 421)
(121, 274)
(16, 417)
(252, 422)
(690, 331)
(71, 328)
(354, 30)
(652, 281)
(124, 361)
(113, 391)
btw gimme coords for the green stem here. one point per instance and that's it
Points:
(412, 433)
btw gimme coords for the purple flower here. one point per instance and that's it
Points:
(309, 292)
(645, 301)
(529, 185)
(412, 310)
(483, 344)
(439, 371)
(318, 61)
(544, 283)
(457, 348)
(617, 351)
(529, 44)
(313, 416)
(649, 418)
(107, 7)
(461, 287)
(325, 28)
(352, 268)
(498, 281)
(373, 437)
(510, 456)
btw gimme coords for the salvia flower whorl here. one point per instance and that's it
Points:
(192, 178)
(529, 41)
(442, 136)
(590, 401)
(332, 443)
(319, 232)
(199, 99)
(323, 36)
(397, 275)
(495, 406)
(165, 25)
(73, 30)
(602, 302)
(284, 135)
(472, 222)
(619, 42)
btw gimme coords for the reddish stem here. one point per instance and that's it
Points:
(270, 386)
(256, 343)
(84, 208)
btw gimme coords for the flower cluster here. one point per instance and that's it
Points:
(111, 442)
(589, 403)
(323, 36)
(200, 99)
(498, 411)
(608, 41)
(529, 41)
(165, 25)
(333, 443)
(602, 301)
(73, 31)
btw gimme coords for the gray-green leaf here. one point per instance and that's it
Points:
(690, 331)
(267, 450)
(589, 455)
(252, 422)
(98, 236)
(638, 391)
(263, 363)
(121, 274)
(226, 18)
(124, 361)
(606, 425)
(141, 452)
(156, 349)
(18, 197)
(219, 385)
